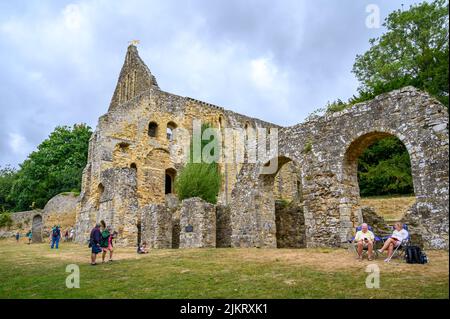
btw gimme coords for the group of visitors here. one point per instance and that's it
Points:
(55, 236)
(365, 239)
(69, 234)
(28, 235)
(101, 240)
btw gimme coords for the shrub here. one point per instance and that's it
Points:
(5, 220)
(199, 179)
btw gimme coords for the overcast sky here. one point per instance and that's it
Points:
(275, 60)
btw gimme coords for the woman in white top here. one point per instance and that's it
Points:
(398, 236)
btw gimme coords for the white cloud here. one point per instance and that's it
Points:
(72, 17)
(19, 144)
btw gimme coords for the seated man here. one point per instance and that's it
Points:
(396, 239)
(365, 239)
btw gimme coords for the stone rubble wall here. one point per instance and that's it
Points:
(200, 216)
(157, 226)
(60, 210)
(326, 149)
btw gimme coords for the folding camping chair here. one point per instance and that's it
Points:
(399, 251)
(352, 246)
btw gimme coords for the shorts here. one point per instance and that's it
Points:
(105, 249)
(397, 243)
(96, 249)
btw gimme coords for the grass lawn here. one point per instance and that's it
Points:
(35, 271)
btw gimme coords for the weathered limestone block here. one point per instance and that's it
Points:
(197, 223)
(156, 222)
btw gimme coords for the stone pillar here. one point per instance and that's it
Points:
(198, 224)
(156, 223)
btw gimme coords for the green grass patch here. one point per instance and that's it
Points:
(34, 271)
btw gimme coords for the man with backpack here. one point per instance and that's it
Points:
(56, 235)
(94, 243)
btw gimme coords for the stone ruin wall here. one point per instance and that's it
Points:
(125, 174)
(327, 148)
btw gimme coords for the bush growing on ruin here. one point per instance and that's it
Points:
(199, 179)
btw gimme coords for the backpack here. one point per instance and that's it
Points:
(414, 255)
(55, 232)
(104, 239)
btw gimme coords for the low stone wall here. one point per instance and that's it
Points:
(197, 224)
(157, 226)
(60, 210)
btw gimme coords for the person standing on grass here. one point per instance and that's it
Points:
(71, 234)
(94, 243)
(56, 236)
(30, 236)
(106, 243)
(17, 237)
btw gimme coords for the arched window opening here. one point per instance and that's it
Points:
(153, 129)
(171, 126)
(98, 195)
(133, 166)
(169, 181)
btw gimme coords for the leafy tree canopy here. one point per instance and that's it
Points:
(413, 51)
(55, 167)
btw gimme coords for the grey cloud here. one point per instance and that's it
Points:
(203, 49)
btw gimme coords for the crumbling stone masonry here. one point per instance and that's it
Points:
(197, 224)
(134, 158)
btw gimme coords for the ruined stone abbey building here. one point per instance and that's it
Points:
(311, 200)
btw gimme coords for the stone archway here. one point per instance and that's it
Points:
(36, 228)
(257, 220)
(350, 209)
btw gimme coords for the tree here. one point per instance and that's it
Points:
(55, 167)
(384, 168)
(7, 178)
(414, 51)
(199, 179)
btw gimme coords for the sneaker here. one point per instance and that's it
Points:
(370, 258)
(379, 251)
(387, 260)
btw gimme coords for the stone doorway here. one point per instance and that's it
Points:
(36, 228)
